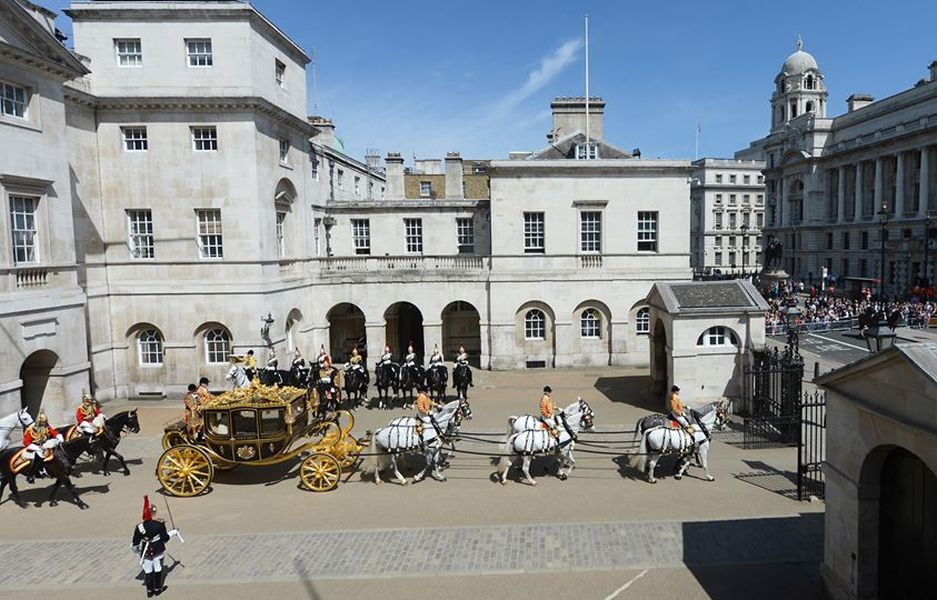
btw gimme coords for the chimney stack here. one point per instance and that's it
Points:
(326, 135)
(857, 101)
(454, 176)
(569, 116)
(933, 71)
(394, 176)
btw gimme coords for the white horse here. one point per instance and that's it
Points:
(410, 436)
(528, 422)
(531, 442)
(238, 376)
(658, 441)
(20, 418)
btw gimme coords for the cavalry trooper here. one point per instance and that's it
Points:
(88, 416)
(436, 359)
(548, 410)
(192, 417)
(326, 373)
(387, 358)
(149, 542)
(298, 366)
(409, 361)
(37, 439)
(322, 355)
(462, 360)
(355, 362)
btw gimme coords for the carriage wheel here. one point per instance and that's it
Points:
(185, 471)
(320, 472)
(348, 452)
(173, 438)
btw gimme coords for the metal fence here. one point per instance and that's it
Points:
(773, 383)
(811, 447)
(842, 325)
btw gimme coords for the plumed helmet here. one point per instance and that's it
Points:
(86, 398)
(149, 509)
(41, 418)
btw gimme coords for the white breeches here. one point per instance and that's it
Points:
(682, 420)
(87, 427)
(31, 451)
(153, 565)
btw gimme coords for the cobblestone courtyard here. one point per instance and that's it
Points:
(255, 530)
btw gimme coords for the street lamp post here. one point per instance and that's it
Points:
(883, 219)
(792, 318)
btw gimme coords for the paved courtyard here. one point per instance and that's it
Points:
(591, 535)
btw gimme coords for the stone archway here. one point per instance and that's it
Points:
(35, 374)
(907, 528)
(659, 372)
(403, 325)
(291, 329)
(346, 330)
(461, 326)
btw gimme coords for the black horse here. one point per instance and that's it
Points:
(298, 376)
(461, 380)
(411, 377)
(437, 377)
(356, 387)
(277, 377)
(388, 377)
(63, 458)
(113, 428)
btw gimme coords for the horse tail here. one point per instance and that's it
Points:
(639, 460)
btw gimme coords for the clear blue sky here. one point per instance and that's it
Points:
(427, 77)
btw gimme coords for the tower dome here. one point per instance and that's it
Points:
(799, 61)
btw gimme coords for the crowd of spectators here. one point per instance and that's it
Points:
(829, 309)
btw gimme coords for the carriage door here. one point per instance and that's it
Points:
(907, 528)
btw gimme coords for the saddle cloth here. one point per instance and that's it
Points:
(73, 432)
(18, 462)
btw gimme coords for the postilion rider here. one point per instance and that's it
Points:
(193, 412)
(149, 543)
(39, 439)
(677, 413)
(548, 410)
(89, 417)
(424, 406)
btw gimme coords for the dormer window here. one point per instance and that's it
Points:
(588, 151)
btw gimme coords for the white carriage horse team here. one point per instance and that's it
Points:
(554, 432)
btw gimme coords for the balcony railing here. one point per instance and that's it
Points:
(361, 264)
(31, 277)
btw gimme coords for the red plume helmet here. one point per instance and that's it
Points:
(146, 508)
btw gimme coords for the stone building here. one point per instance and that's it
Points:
(42, 306)
(837, 187)
(206, 214)
(727, 211)
(881, 476)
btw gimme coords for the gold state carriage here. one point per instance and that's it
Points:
(258, 425)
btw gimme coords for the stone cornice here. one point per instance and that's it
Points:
(200, 11)
(59, 61)
(185, 103)
(590, 168)
(402, 205)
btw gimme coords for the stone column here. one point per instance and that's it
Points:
(484, 360)
(899, 185)
(877, 197)
(375, 333)
(432, 334)
(841, 195)
(782, 199)
(925, 182)
(857, 210)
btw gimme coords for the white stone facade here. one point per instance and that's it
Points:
(828, 179)
(727, 211)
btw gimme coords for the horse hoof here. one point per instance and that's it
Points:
(678, 477)
(126, 472)
(563, 476)
(417, 478)
(438, 477)
(82, 505)
(54, 503)
(106, 473)
(710, 478)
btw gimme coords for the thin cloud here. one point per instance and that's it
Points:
(550, 66)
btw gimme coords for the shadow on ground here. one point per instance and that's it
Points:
(630, 389)
(711, 548)
(769, 478)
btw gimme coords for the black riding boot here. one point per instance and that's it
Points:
(148, 578)
(158, 585)
(33, 470)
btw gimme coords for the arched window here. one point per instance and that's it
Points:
(809, 107)
(217, 346)
(642, 321)
(717, 336)
(809, 82)
(535, 325)
(150, 347)
(590, 324)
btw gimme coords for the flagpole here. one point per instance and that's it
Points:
(696, 153)
(588, 153)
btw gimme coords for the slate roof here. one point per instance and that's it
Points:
(922, 357)
(566, 148)
(690, 296)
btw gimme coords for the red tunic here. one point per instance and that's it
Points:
(28, 435)
(80, 414)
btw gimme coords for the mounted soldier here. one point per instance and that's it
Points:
(436, 359)
(89, 417)
(322, 356)
(192, 417)
(677, 412)
(39, 439)
(325, 384)
(298, 369)
(149, 542)
(461, 360)
(354, 364)
(548, 410)
(425, 406)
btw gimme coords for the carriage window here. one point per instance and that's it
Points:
(299, 407)
(218, 424)
(244, 423)
(271, 421)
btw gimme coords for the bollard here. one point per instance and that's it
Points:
(816, 370)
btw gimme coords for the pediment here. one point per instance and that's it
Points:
(24, 38)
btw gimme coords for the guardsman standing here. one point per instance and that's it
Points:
(149, 541)
(88, 416)
(37, 439)
(193, 412)
(548, 411)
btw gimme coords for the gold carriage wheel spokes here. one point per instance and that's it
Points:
(320, 472)
(347, 452)
(185, 471)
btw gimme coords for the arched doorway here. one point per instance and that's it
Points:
(907, 552)
(293, 319)
(461, 326)
(35, 374)
(659, 358)
(404, 325)
(346, 330)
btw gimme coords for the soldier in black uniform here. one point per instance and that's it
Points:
(149, 541)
